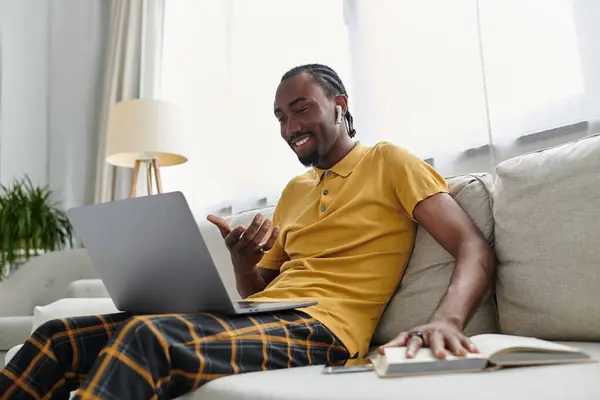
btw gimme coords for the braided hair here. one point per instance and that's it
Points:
(329, 81)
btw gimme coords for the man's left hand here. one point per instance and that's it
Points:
(439, 336)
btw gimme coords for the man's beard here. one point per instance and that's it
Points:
(310, 160)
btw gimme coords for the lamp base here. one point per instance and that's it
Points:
(151, 167)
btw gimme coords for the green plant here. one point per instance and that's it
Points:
(30, 221)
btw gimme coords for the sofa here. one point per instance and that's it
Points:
(38, 282)
(541, 214)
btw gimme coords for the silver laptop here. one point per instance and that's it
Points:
(152, 258)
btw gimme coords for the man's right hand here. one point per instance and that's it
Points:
(246, 244)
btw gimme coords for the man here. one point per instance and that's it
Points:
(342, 234)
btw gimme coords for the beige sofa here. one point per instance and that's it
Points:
(541, 213)
(39, 282)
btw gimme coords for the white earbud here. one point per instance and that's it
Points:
(338, 114)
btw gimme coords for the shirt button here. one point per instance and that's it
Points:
(327, 173)
(326, 192)
(323, 208)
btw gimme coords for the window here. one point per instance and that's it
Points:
(443, 76)
(222, 62)
(533, 66)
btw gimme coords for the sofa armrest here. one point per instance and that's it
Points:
(86, 288)
(14, 331)
(75, 307)
(42, 280)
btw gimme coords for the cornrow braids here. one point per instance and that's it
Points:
(329, 81)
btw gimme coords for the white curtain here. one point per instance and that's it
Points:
(222, 62)
(132, 70)
(465, 82)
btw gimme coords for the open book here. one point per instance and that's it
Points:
(495, 351)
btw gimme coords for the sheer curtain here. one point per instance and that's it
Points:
(533, 65)
(222, 62)
(132, 57)
(463, 82)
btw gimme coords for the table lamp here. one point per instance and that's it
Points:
(144, 131)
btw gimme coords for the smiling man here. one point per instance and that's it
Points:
(342, 234)
(347, 226)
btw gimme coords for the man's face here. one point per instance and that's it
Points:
(306, 117)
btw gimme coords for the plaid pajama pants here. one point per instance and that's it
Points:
(120, 356)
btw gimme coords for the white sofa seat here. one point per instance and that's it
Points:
(578, 381)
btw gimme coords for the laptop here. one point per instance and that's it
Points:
(152, 258)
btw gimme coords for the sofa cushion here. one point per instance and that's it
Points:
(76, 307)
(547, 217)
(87, 288)
(245, 218)
(218, 250)
(430, 266)
(578, 381)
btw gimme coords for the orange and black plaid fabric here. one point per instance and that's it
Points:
(120, 356)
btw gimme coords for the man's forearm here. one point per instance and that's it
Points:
(249, 282)
(472, 276)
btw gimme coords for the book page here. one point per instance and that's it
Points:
(489, 344)
(396, 355)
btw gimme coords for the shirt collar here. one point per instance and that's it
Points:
(346, 165)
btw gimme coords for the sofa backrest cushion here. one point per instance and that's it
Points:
(245, 218)
(547, 213)
(429, 269)
(218, 250)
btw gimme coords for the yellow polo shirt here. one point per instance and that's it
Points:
(346, 236)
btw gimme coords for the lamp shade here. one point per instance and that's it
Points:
(144, 130)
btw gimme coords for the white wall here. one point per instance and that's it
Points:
(24, 90)
(53, 59)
